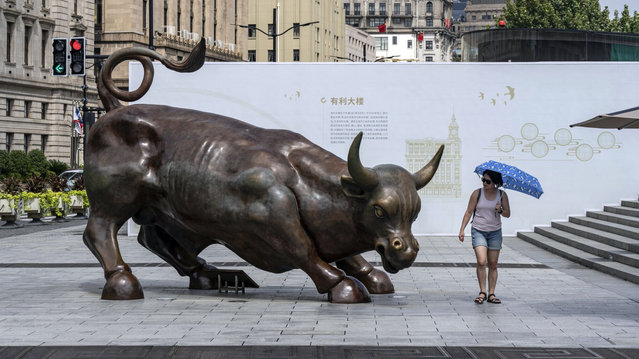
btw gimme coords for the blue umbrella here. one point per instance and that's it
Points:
(513, 177)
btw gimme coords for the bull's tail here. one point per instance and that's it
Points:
(110, 94)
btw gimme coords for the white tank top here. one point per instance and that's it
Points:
(486, 218)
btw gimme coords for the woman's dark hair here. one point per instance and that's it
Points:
(495, 177)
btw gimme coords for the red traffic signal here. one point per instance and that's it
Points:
(78, 57)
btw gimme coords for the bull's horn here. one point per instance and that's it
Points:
(363, 176)
(423, 176)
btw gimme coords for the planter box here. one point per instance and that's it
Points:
(77, 202)
(32, 205)
(6, 207)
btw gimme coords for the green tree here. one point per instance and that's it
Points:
(568, 15)
(18, 164)
(38, 163)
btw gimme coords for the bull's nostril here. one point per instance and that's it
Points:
(397, 244)
(380, 249)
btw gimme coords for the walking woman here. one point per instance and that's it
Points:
(486, 207)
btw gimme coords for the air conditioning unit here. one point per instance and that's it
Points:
(169, 30)
(231, 47)
(195, 36)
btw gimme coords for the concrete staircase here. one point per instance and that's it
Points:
(605, 240)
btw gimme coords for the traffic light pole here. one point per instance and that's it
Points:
(85, 108)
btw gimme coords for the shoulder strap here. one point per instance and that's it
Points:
(478, 197)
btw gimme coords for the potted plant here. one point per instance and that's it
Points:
(9, 201)
(79, 202)
(34, 199)
(58, 200)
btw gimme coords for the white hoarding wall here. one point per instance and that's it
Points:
(518, 113)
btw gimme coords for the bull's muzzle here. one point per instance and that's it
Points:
(397, 252)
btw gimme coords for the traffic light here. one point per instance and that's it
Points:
(59, 66)
(76, 49)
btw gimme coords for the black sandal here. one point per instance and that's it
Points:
(494, 300)
(480, 299)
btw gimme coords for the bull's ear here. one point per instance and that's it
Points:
(351, 188)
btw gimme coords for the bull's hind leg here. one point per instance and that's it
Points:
(375, 280)
(187, 262)
(100, 236)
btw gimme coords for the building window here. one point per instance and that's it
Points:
(27, 44)
(356, 9)
(429, 22)
(296, 55)
(408, 22)
(375, 21)
(396, 20)
(27, 142)
(43, 143)
(144, 14)
(407, 9)
(394, 40)
(371, 9)
(347, 9)
(409, 44)
(382, 8)
(252, 31)
(8, 141)
(271, 58)
(10, 27)
(429, 59)
(43, 48)
(9, 106)
(429, 8)
(27, 109)
(429, 45)
(352, 22)
(251, 55)
(396, 9)
(296, 29)
(381, 43)
(43, 110)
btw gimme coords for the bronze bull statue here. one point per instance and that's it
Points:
(192, 179)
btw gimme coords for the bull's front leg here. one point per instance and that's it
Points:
(340, 287)
(375, 280)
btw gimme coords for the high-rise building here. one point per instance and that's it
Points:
(35, 107)
(305, 30)
(409, 30)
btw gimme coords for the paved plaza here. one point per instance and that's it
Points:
(50, 287)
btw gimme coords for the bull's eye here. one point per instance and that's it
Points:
(379, 212)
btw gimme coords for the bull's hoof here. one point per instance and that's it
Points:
(377, 282)
(122, 286)
(349, 290)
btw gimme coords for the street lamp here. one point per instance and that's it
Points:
(274, 35)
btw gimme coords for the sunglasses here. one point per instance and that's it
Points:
(486, 181)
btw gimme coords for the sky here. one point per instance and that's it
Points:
(633, 5)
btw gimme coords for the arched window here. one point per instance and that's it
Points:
(429, 8)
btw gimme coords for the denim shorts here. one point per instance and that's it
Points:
(491, 239)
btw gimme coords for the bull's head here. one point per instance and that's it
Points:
(390, 204)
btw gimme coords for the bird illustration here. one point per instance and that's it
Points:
(493, 101)
(481, 95)
(511, 92)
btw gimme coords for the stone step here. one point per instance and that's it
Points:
(616, 269)
(590, 246)
(628, 211)
(615, 218)
(620, 229)
(611, 239)
(630, 203)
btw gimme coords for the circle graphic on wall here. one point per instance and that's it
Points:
(506, 143)
(584, 152)
(563, 136)
(529, 131)
(606, 140)
(539, 149)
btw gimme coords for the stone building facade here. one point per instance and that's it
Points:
(360, 46)
(36, 107)
(178, 25)
(307, 30)
(481, 14)
(415, 30)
